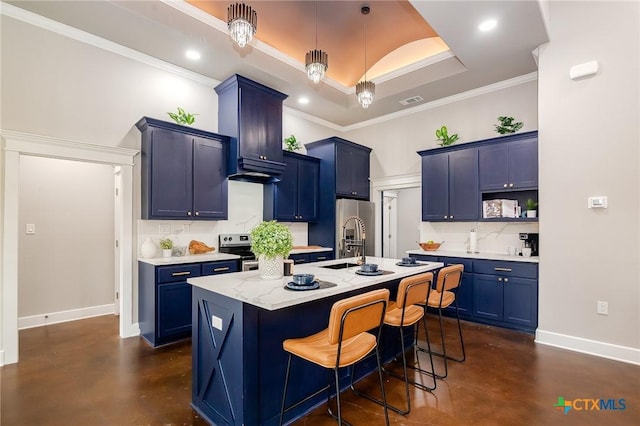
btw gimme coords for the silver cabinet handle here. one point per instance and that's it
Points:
(322, 257)
(179, 274)
(510, 185)
(506, 280)
(300, 260)
(502, 269)
(446, 217)
(188, 213)
(499, 279)
(226, 268)
(197, 213)
(450, 217)
(504, 186)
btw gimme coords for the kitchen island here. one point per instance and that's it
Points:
(239, 324)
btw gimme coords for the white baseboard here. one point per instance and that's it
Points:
(133, 330)
(64, 316)
(591, 347)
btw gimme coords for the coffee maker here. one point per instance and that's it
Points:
(530, 240)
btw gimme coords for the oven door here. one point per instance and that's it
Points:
(250, 265)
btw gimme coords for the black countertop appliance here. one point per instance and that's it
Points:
(530, 240)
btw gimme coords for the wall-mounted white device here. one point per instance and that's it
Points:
(583, 70)
(597, 202)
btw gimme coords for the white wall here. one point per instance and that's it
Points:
(409, 212)
(68, 263)
(589, 145)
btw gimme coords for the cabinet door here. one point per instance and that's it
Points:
(464, 197)
(174, 310)
(493, 163)
(260, 125)
(320, 256)
(343, 170)
(308, 187)
(523, 164)
(171, 175)
(209, 179)
(464, 295)
(299, 258)
(487, 296)
(435, 187)
(359, 169)
(520, 301)
(286, 192)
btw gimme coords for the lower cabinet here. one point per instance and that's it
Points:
(164, 298)
(317, 256)
(492, 292)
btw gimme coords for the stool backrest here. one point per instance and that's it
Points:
(357, 314)
(449, 277)
(413, 290)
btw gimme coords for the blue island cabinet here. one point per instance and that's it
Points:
(239, 364)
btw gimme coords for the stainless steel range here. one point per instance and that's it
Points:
(240, 245)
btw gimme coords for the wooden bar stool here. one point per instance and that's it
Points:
(343, 343)
(404, 312)
(447, 282)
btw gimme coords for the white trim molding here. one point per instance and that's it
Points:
(14, 145)
(64, 316)
(587, 346)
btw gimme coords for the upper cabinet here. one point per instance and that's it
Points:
(345, 165)
(295, 197)
(511, 164)
(252, 115)
(184, 173)
(450, 185)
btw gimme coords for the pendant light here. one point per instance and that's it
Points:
(365, 90)
(316, 61)
(242, 23)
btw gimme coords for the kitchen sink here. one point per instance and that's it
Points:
(340, 265)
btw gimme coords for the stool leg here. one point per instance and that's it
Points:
(464, 355)
(284, 392)
(335, 373)
(384, 396)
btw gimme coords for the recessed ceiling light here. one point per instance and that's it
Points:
(303, 100)
(487, 25)
(192, 54)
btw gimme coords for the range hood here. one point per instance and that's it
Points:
(251, 114)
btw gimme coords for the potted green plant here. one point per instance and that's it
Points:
(442, 134)
(166, 244)
(531, 207)
(271, 242)
(508, 125)
(182, 117)
(291, 144)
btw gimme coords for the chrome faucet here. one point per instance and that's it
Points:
(359, 236)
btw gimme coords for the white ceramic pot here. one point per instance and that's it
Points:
(270, 268)
(166, 252)
(148, 248)
(531, 213)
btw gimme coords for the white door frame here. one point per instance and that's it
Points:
(17, 144)
(378, 185)
(390, 218)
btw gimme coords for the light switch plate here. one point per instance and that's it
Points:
(599, 202)
(30, 228)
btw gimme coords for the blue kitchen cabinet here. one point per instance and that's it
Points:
(352, 171)
(251, 114)
(183, 172)
(295, 197)
(164, 299)
(450, 185)
(506, 293)
(511, 164)
(320, 256)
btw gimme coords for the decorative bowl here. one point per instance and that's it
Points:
(430, 246)
(369, 267)
(408, 260)
(302, 279)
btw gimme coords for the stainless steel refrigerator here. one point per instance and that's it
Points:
(348, 233)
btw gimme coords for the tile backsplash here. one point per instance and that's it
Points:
(245, 212)
(492, 237)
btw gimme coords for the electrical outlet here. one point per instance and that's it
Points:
(164, 228)
(603, 307)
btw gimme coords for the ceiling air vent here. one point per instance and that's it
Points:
(412, 100)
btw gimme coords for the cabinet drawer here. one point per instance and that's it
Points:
(320, 256)
(515, 269)
(215, 268)
(468, 263)
(167, 274)
(425, 258)
(299, 258)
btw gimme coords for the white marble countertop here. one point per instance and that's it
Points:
(189, 258)
(248, 287)
(310, 250)
(482, 255)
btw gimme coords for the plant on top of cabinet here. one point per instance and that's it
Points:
(291, 143)
(443, 136)
(183, 117)
(507, 125)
